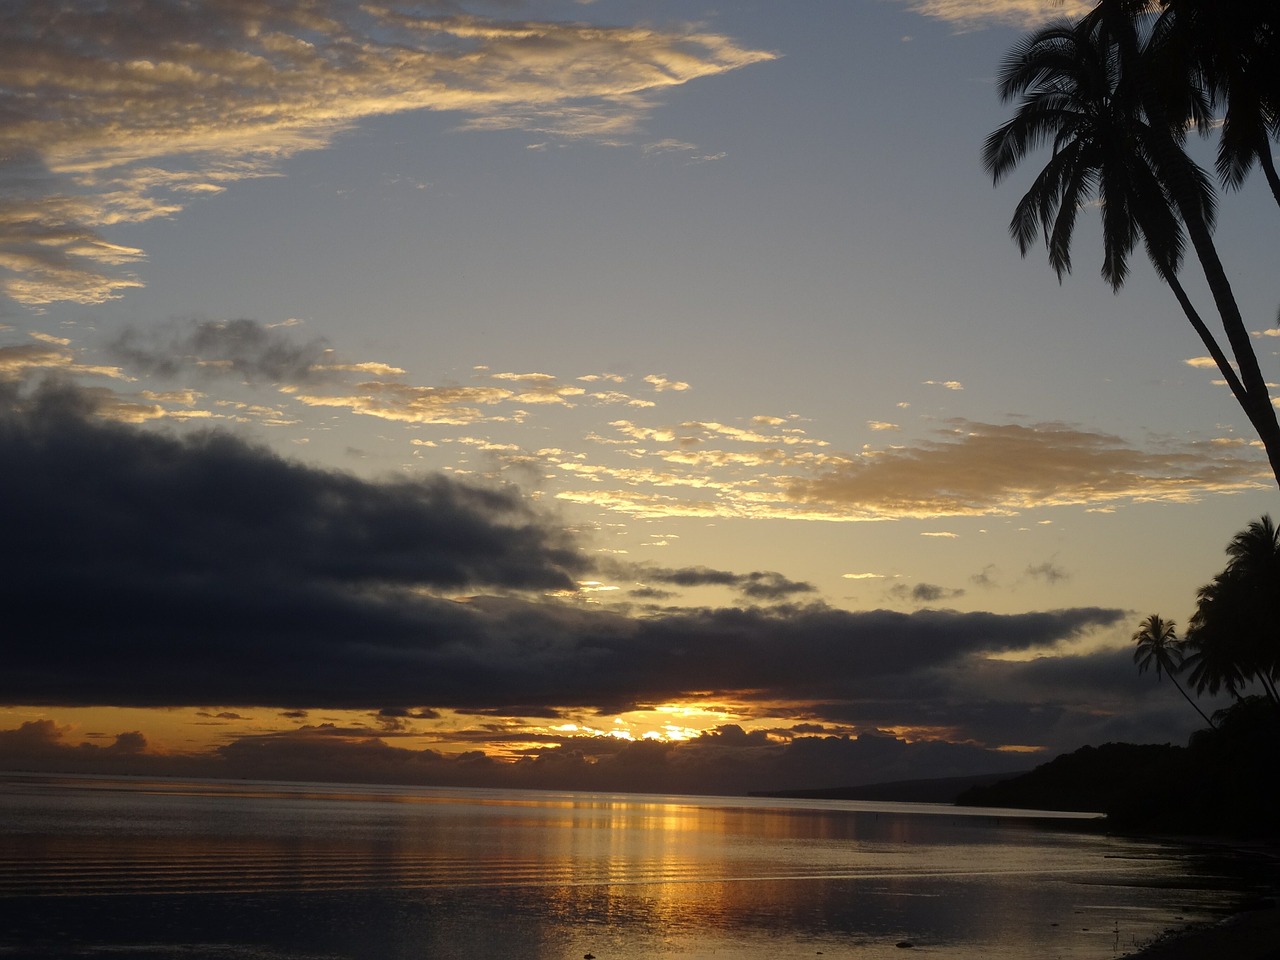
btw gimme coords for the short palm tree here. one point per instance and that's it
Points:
(1158, 647)
(1234, 635)
(1085, 90)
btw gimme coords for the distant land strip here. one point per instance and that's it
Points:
(938, 790)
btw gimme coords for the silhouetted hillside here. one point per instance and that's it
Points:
(1219, 784)
(1092, 778)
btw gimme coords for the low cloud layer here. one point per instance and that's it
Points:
(727, 760)
(121, 113)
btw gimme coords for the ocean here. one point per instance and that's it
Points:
(97, 867)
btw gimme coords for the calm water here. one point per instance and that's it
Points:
(261, 871)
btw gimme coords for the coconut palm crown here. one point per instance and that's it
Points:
(1158, 647)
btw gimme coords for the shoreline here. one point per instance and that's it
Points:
(1252, 933)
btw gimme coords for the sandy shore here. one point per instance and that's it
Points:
(1253, 934)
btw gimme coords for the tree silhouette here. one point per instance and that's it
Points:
(1231, 51)
(1158, 647)
(1090, 91)
(1234, 635)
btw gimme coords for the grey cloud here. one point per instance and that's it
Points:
(757, 585)
(242, 349)
(1048, 571)
(651, 593)
(986, 577)
(923, 592)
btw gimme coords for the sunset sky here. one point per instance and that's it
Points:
(595, 394)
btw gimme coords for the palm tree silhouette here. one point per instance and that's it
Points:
(1158, 647)
(1233, 634)
(1088, 90)
(1231, 51)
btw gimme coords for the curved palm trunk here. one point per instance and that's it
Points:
(1115, 19)
(1187, 696)
(1253, 394)
(1257, 399)
(1206, 337)
(1269, 687)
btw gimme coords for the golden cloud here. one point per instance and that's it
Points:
(662, 384)
(982, 468)
(456, 406)
(49, 354)
(1019, 13)
(122, 113)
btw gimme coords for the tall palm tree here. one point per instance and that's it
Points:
(1084, 89)
(1067, 77)
(1231, 50)
(1158, 647)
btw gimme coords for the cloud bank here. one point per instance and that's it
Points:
(150, 570)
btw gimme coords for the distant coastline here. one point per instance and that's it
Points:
(938, 790)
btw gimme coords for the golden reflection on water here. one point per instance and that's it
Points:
(668, 872)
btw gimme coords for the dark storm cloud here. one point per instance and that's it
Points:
(108, 504)
(244, 349)
(163, 558)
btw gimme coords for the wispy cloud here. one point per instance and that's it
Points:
(49, 354)
(923, 593)
(124, 113)
(757, 585)
(314, 374)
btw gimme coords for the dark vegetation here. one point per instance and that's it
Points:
(1216, 785)
(1220, 783)
(1092, 779)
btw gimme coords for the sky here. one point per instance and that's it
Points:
(599, 395)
